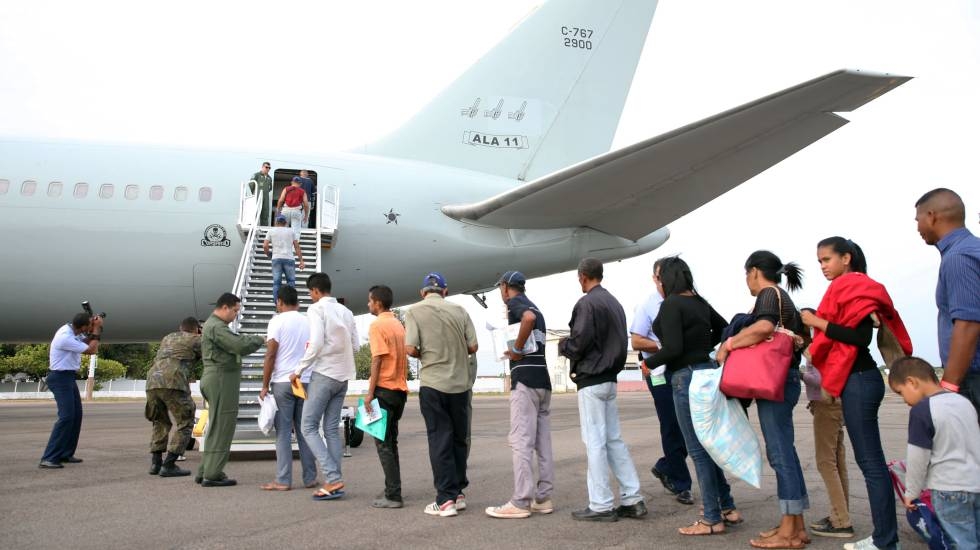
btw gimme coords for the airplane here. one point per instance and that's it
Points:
(151, 234)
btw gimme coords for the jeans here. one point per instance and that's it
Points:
(716, 494)
(970, 389)
(289, 417)
(447, 427)
(959, 514)
(64, 433)
(280, 267)
(674, 462)
(294, 215)
(831, 456)
(530, 431)
(605, 448)
(860, 400)
(776, 419)
(392, 401)
(324, 402)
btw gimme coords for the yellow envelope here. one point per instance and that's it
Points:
(298, 389)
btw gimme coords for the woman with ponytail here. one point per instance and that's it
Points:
(843, 326)
(775, 309)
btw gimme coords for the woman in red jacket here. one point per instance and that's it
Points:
(853, 305)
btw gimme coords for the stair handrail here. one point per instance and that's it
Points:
(319, 231)
(245, 263)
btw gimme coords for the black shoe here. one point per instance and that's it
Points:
(226, 482)
(589, 515)
(198, 480)
(664, 480)
(71, 460)
(170, 469)
(828, 530)
(685, 497)
(635, 511)
(48, 465)
(156, 460)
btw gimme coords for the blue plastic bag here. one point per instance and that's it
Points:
(723, 429)
(923, 519)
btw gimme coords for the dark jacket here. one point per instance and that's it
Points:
(596, 344)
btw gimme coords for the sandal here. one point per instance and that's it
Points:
(274, 487)
(329, 491)
(727, 516)
(775, 542)
(691, 529)
(802, 536)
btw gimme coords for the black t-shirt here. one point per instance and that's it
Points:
(689, 329)
(767, 304)
(531, 370)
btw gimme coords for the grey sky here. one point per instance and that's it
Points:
(329, 76)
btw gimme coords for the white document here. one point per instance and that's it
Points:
(375, 412)
(504, 338)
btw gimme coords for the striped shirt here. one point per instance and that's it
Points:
(958, 290)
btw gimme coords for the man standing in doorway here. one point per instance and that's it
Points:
(222, 350)
(441, 334)
(330, 355)
(596, 347)
(530, 405)
(310, 187)
(671, 469)
(168, 392)
(941, 217)
(388, 383)
(261, 185)
(81, 335)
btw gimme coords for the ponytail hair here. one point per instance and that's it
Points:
(842, 246)
(675, 276)
(773, 269)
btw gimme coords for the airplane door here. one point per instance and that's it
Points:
(210, 280)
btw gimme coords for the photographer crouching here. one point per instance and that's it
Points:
(80, 336)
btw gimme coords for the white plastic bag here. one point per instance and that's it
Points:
(723, 429)
(267, 414)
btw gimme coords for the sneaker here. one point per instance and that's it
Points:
(828, 530)
(447, 510)
(508, 511)
(383, 502)
(864, 544)
(461, 502)
(544, 507)
(820, 522)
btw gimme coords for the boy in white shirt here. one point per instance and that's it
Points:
(283, 243)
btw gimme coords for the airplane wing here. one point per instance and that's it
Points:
(641, 188)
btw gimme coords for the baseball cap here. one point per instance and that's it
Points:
(512, 278)
(296, 179)
(280, 218)
(434, 280)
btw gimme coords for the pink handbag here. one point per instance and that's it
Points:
(759, 371)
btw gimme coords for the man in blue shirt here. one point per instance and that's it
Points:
(671, 469)
(73, 339)
(310, 187)
(941, 218)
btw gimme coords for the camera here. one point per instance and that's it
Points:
(88, 309)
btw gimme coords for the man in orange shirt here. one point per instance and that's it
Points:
(388, 383)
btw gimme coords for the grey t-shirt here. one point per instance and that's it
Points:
(944, 445)
(281, 240)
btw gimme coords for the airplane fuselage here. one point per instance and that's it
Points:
(166, 242)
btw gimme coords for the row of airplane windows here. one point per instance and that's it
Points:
(106, 191)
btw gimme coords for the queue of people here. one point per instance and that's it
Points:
(678, 333)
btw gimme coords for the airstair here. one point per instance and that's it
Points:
(253, 284)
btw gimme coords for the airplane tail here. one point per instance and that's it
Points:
(549, 95)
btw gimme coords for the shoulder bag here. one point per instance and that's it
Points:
(759, 371)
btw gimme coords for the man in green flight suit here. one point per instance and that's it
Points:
(169, 393)
(222, 350)
(261, 184)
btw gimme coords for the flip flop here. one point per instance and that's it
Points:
(328, 495)
(710, 526)
(274, 487)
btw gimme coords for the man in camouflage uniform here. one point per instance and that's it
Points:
(168, 393)
(222, 350)
(261, 184)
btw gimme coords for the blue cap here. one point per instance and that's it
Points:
(280, 219)
(296, 179)
(512, 278)
(434, 280)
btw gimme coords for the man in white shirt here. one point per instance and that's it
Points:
(285, 345)
(283, 243)
(330, 355)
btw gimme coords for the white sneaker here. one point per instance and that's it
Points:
(447, 510)
(508, 511)
(545, 507)
(461, 502)
(865, 544)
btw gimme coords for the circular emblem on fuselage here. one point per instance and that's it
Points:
(215, 235)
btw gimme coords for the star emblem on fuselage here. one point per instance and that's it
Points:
(391, 216)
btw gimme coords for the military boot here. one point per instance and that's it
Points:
(170, 469)
(156, 460)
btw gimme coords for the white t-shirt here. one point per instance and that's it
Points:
(291, 330)
(281, 239)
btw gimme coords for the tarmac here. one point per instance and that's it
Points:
(109, 500)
